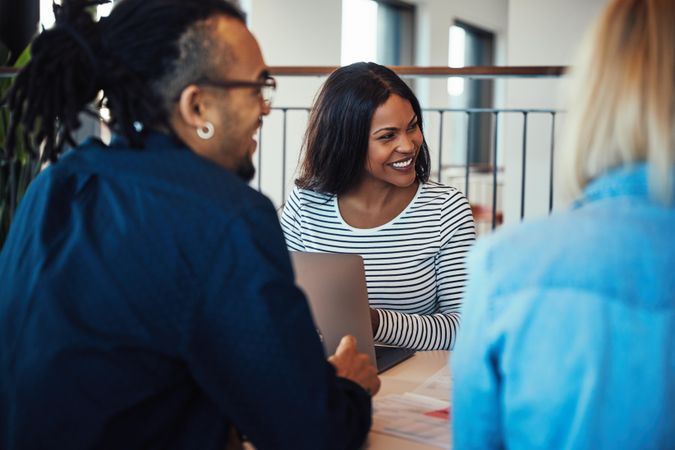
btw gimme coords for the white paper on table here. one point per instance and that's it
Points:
(413, 417)
(439, 385)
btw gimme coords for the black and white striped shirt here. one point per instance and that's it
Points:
(415, 264)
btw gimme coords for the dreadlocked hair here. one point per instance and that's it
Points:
(135, 57)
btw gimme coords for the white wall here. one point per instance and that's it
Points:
(292, 33)
(528, 32)
(434, 20)
(541, 32)
(308, 32)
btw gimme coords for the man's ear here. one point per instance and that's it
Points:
(191, 106)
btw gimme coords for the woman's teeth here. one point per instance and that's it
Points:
(402, 164)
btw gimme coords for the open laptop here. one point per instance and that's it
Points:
(335, 286)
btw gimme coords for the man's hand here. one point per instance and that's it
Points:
(355, 366)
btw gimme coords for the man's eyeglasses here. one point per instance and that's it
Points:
(266, 88)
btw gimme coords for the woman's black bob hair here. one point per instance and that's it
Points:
(336, 141)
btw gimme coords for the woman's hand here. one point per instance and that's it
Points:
(374, 320)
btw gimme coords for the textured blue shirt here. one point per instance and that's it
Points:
(568, 333)
(147, 301)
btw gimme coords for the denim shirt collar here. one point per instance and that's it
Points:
(627, 181)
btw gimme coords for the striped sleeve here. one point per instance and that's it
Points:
(438, 330)
(290, 222)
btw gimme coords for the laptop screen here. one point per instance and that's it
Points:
(335, 286)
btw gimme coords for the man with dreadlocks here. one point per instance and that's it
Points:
(146, 296)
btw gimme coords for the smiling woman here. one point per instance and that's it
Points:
(364, 188)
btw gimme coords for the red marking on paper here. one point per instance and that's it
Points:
(439, 413)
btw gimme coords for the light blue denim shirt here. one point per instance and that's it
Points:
(568, 329)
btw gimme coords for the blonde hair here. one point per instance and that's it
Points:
(622, 102)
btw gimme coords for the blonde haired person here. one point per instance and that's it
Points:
(568, 337)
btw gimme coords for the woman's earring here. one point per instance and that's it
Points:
(206, 132)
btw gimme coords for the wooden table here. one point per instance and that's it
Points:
(403, 378)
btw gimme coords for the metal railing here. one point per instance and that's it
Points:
(443, 169)
(439, 168)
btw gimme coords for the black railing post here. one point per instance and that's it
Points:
(550, 175)
(494, 172)
(469, 115)
(522, 176)
(440, 146)
(283, 159)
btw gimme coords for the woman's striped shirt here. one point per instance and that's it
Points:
(415, 264)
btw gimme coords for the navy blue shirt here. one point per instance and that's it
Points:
(147, 300)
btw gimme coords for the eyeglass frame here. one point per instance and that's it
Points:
(269, 82)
